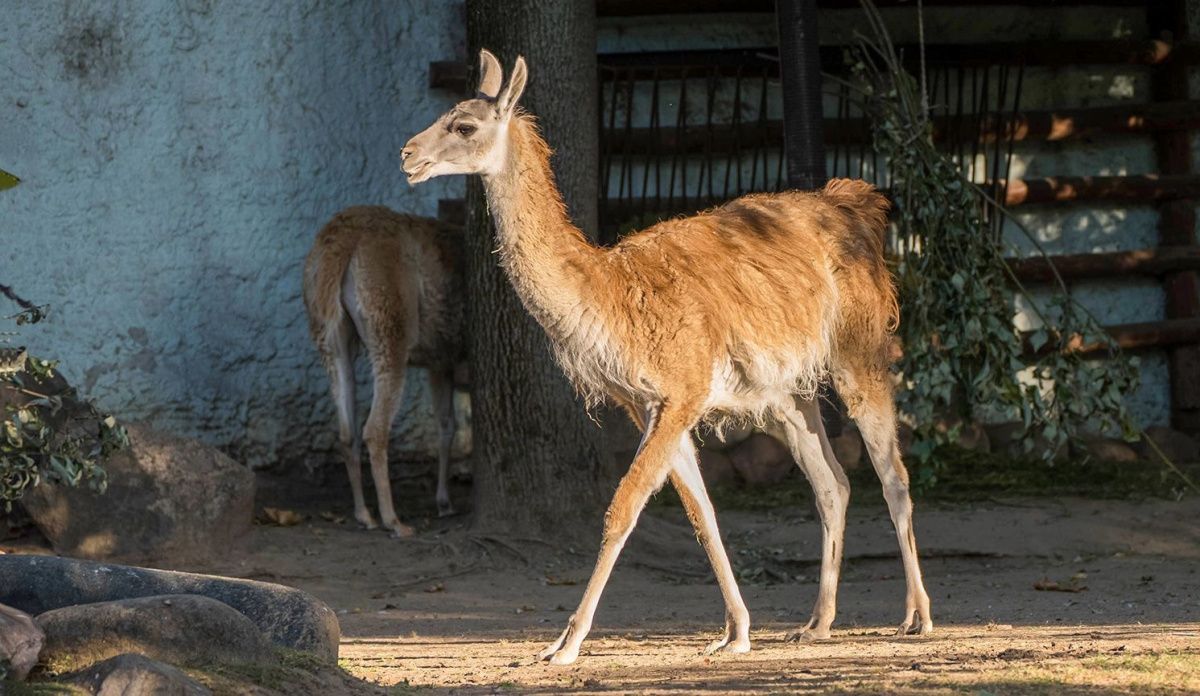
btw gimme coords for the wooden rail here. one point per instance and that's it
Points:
(1141, 336)
(452, 75)
(1141, 262)
(1143, 188)
(1047, 126)
(639, 8)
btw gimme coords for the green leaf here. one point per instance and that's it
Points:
(7, 180)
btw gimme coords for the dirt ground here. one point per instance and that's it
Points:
(459, 613)
(455, 612)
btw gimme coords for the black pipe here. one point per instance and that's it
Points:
(800, 73)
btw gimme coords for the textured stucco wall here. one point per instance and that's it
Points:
(178, 158)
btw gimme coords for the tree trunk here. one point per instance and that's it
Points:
(540, 462)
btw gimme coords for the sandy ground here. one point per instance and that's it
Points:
(455, 612)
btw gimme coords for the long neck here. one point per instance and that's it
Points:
(547, 258)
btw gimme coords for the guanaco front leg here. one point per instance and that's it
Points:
(687, 480)
(649, 471)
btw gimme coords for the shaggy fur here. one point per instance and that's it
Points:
(741, 310)
(391, 283)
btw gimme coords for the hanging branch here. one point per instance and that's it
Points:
(963, 356)
(30, 313)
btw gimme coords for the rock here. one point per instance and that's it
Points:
(184, 629)
(1178, 446)
(848, 447)
(972, 436)
(1009, 438)
(1107, 449)
(20, 643)
(167, 497)
(761, 460)
(287, 616)
(130, 674)
(716, 468)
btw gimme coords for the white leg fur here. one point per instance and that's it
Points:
(690, 484)
(341, 382)
(442, 388)
(831, 490)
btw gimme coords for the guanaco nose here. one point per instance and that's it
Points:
(404, 154)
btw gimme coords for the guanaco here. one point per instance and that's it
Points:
(392, 283)
(739, 311)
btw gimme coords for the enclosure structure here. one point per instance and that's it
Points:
(1081, 121)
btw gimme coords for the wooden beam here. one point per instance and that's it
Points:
(452, 75)
(1048, 126)
(640, 8)
(1141, 336)
(1144, 188)
(1105, 265)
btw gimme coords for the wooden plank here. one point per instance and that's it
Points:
(1047, 126)
(1105, 265)
(1144, 188)
(1141, 336)
(641, 8)
(452, 75)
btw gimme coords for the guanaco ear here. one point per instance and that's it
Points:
(491, 75)
(507, 101)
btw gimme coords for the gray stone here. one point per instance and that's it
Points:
(130, 674)
(182, 629)
(1107, 449)
(1176, 445)
(972, 436)
(21, 641)
(848, 447)
(287, 616)
(167, 497)
(1009, 439)
(762, 460)
(716, 468)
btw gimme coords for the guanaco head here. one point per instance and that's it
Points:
(471, 138)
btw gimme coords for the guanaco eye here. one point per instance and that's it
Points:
(465, 130)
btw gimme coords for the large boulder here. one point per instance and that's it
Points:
(1177, 446)
(167, 497)
(130, 674)
(848, 447)
(182, 629)
(762, 460)
(287, 616)
(20, 643)
(717, 469)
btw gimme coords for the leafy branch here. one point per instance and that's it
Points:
(47, 433)
(963, 355)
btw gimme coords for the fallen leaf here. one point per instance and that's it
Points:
(551, 580)
(332, 517)
(282, 517)
(436, 587)
(1045, 585)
